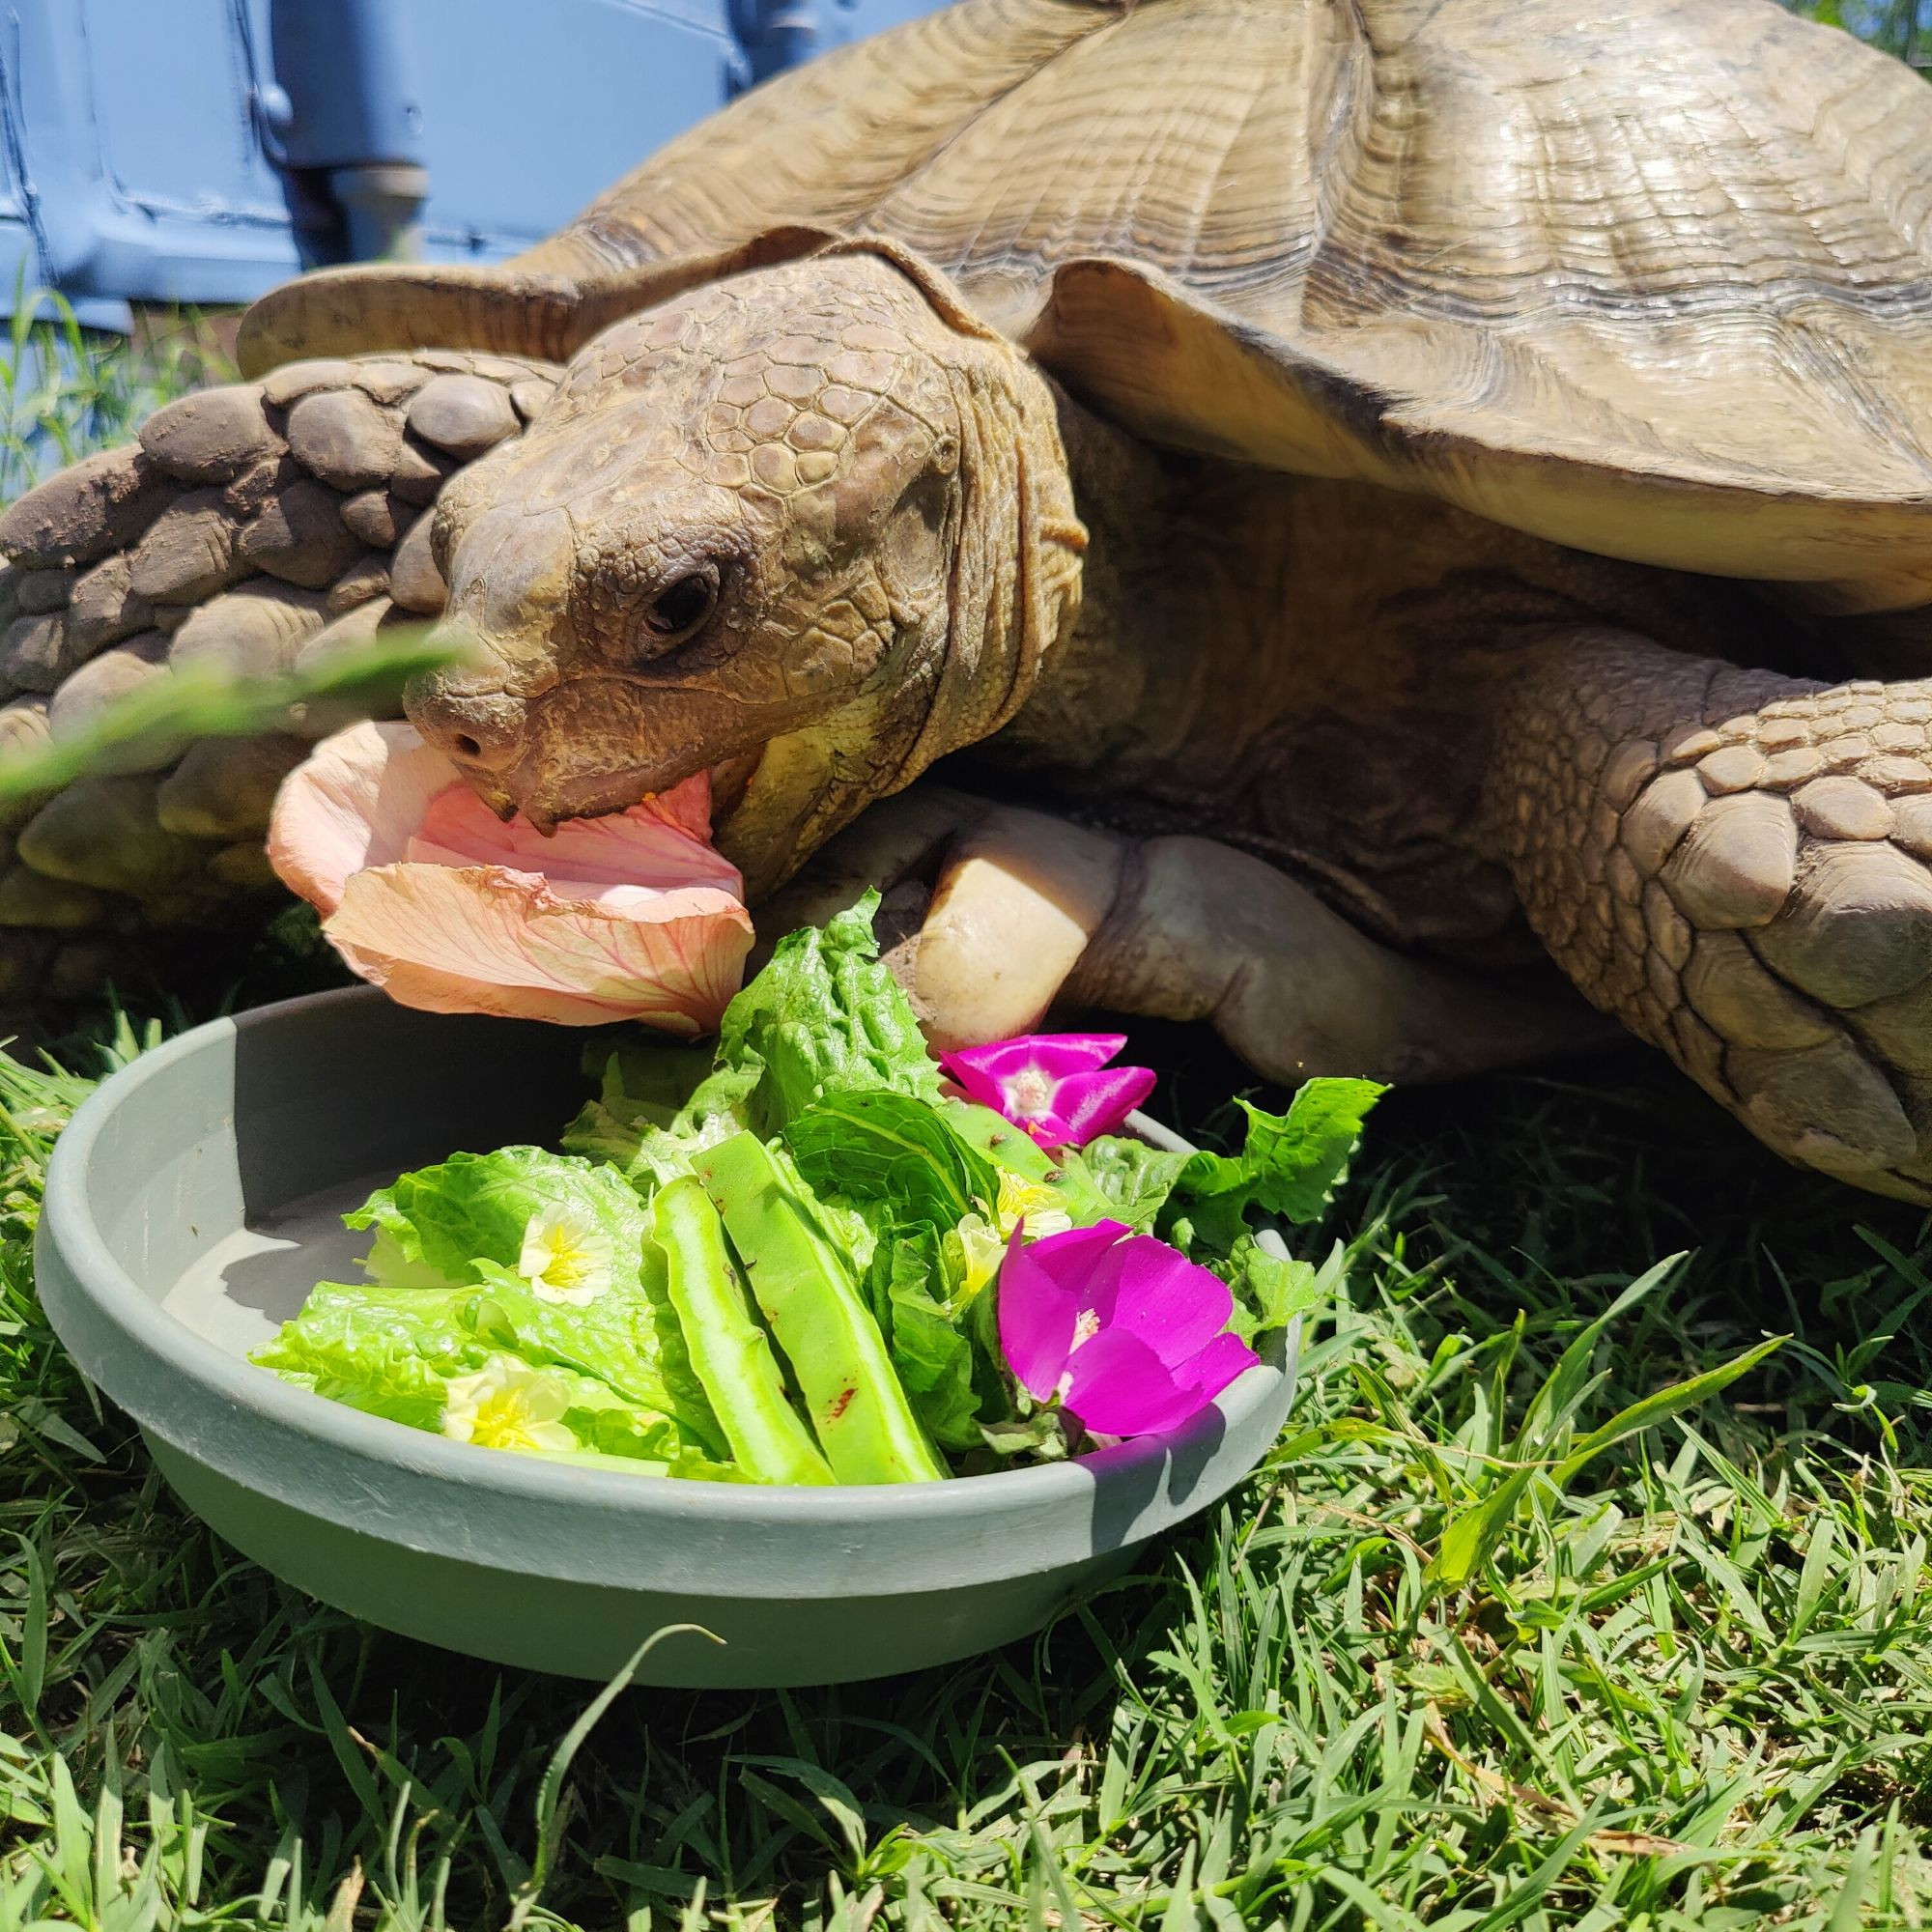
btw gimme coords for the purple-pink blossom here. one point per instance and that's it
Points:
(1056, 1086)
(1126, 1333)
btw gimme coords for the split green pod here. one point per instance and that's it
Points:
(730, 1352)
(857, 1407)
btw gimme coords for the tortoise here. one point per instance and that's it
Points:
(1367, 499)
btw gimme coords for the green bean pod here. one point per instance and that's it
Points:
(731, 1354)
(857, 1407)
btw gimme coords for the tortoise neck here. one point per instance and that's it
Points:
(1132, 653)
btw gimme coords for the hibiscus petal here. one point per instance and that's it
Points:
(354, 801)
(665, 840)
(486, 939)
(427, 893)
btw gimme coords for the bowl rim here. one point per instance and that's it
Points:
(202, 1366)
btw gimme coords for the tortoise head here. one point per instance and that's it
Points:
(808, 529)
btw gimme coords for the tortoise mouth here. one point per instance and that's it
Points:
(600, 794)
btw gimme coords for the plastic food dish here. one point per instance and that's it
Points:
(195, 1198)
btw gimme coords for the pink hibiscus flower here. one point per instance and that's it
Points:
(426, 894)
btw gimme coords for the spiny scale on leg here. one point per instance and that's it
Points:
(248, 526)
(1736, 865)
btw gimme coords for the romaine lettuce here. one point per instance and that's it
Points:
(825, 1016)
(480, 1206)
(1132, 1180)
(473, 1219)
(887, 1148)
(386, 1350)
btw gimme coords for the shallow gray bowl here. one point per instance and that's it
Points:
(196, 1199)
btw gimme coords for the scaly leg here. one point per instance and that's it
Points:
(1733, 864)
(258, 525)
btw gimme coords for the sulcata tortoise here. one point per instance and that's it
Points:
(1403, 491)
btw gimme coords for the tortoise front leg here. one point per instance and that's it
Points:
(1733, 864)
(994, 914)
(260, 527)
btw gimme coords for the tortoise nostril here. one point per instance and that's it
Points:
(484, 731)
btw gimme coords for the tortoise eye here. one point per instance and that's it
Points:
(682, 605)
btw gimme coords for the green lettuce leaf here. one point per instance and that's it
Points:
(478, 1207)
(1288, 1165)
(903, 1165)
(628, 1339)
(387, 1266)
(649, 1080)
(387, 1351)
(608, 1425)
(659, 1104)
(997, 1138)
(1132, 1178)
(1012, 1151)
(467, 1219)
(825, 1016)
(1271, 1290)
(393, 1352)
(932, 1349)
(888, 1147)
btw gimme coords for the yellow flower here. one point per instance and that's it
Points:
(508, 1405)
(982, 1252)
(1037, 1200)
(564, 1257)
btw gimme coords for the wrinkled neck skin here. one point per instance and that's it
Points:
(1165, 606)
(1308, 668)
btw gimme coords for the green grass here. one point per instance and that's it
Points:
(1692, 1689)
(1895, 25)
(65, 391)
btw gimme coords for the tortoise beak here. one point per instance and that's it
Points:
(467, 712)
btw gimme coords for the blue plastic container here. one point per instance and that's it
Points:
(139, 139)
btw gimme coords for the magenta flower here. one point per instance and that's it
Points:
(1052, 1083)
(1129, 1335)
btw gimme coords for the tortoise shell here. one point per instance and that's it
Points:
(1646, 279)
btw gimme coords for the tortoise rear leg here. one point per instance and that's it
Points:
(1735, 865)
(257, 525)
(993, 914)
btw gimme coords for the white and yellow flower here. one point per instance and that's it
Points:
(565, 1257)
(508, 1405)
(1034, 1201)
(983, 1243)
